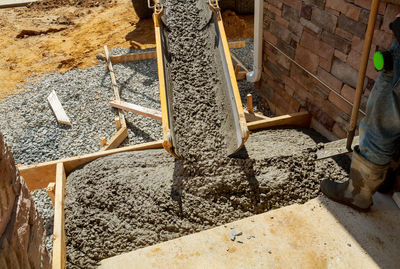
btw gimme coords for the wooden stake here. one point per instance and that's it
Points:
(117, 139)
(250, 103)
(117, 123)
(59, 257)
(51, 191)
(103, 141)
(363, 69)
(237, 69)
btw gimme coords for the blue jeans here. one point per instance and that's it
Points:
(380, 128)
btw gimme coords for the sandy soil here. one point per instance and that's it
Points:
(39, 39)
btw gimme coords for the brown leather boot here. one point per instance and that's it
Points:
(365, 178)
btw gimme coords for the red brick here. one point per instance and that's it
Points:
(340, 55)
(348, 92)
(382, 39)
(306, 11)
(277, 3)
(339, 5)
(325, 63)
(293, 3)
(353, 12)
(282, 22)
(301, 77)
(351, 26)
(275, 10)
(367, 5)
(340, 103)
(296, 28)
(338, 131)
(270, 37)
(307, 59)
(390, 15)
(325, 50)
(310, 41)
(324, 19)
(342, 33)
(338, 42)
(332, 11)
(329, 79)
(309, 25)
(358, 44)
(354, 59)
(283, 61)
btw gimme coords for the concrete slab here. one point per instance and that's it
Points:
(15, 3)
(318, 234)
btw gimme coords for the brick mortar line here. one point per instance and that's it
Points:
(315, 77)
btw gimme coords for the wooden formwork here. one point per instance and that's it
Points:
(52, 175)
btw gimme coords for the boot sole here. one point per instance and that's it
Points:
(343, 202)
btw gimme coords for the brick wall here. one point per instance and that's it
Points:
(312, 54)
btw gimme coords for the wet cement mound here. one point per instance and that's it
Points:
(132, 200)
(201, 111)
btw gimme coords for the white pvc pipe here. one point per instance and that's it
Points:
(255, 75)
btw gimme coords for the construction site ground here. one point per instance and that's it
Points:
(54, 47)
(42, 39)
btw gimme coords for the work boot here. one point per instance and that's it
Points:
(365, 178)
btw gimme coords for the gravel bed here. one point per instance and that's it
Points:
(31, 131)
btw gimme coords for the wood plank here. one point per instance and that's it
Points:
(117, 139)
(38, 176)
(249, 102)
(133, 57)
(15, 3)
(144, 111)
(58, 109)
(103, 141)
(146, 55)
(236, 61)
(59, 252)
(51, 191)
(114, 85)
(237, 44)
(301, 119)
(241, 75)
(335, 148)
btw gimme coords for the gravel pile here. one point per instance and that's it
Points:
(33, 134)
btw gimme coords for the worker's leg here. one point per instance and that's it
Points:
(379, 133)
(380, 129)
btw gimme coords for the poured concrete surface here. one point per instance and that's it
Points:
(318, 234)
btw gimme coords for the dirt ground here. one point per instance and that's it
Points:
(62, 35)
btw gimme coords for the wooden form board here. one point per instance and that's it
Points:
(58, 109)
(114, 85)
(59, 248)
(301, 119)
(38, 176)
(144, 111)
(138, 56)
(117, 139)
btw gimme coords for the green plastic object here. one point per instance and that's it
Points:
(378, 61)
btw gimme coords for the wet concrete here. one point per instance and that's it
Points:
(201, 110)
(131, 200)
